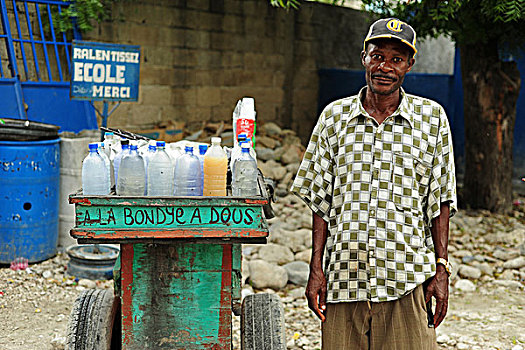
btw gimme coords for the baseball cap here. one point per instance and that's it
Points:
(392, 28)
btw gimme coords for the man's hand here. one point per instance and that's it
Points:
(438, 288)
(316, 292)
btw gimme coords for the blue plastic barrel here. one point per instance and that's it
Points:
(29, 187)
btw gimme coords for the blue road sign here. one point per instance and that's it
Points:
(105, 72)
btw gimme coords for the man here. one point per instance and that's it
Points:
(378, 174)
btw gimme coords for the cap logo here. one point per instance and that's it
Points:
(395, 25)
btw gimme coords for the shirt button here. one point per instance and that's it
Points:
(372, 254)
(372, 212)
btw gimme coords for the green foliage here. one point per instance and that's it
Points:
(83, 14)
(287, 4)
(471, 22)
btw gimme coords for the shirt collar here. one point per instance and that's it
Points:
(402, 110)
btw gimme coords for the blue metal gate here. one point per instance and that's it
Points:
(35, 66)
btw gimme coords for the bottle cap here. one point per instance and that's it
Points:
(161, 144)
(133, 147)
(124, 142)
(203, 149)
(246, 144)
(93, 146)
(188, 149)
(108, 133)
(125, 146)
(216, 140)
(248, 108)
(101, 144)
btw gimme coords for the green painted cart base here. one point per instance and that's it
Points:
(180, 263)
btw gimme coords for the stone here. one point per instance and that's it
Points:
(266, 169)
(287, 179)
(264, 153)
(278, 152)
(462, 253)
(297, 293)
(293, 167)
(516, 263)
(293, 154)
(469, 272)
(271, 129)
(281, 191)
(87, 283)
(272, 169)
(291, 239)
(47, 274)
(279, 171)
(276, 253)
(506, 275)
(503, 254)
(245, 271)
(298, 272)
(462, 346)
(485, 268)
(267, 142)
(305, 255)
(290, 138)
(266, 275)
(246, 290)
(306, 221)
(509, 284)
(465, 285)
(443, 339)
(58, 343)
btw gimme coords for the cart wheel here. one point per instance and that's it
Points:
(262, 323)
(94, 323)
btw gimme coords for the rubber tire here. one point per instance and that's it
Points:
(262, 323)
(94, 323)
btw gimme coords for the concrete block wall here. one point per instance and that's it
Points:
(200, 56)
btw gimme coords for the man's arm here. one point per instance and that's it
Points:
(316, 287)
(438, 285)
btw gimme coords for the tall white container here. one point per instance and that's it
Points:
(72, 152)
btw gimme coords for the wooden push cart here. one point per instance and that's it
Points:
(180, 274)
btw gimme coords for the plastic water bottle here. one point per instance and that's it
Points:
(202, 152)
(160, 172)
(109, 142)
(236, 152)
(245, 172)
(94, 173)
(187, 174)
(131, 174)
(118, 158)
(152, 147)
(215, 169)
(103, 154)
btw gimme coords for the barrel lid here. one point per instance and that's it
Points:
(26, 130)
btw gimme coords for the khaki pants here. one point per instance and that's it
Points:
(394, 325)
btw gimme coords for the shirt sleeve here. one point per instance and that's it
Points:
(314, 180)
(442, 187)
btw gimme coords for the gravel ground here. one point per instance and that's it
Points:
(35, 303)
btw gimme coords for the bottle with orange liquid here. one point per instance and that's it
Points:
(215, 169)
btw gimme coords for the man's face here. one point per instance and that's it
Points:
(386, 63)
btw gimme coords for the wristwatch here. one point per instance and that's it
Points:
(446, 264)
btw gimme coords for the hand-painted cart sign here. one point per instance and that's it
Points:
(114, 218)
(175, 217)
(108, 72)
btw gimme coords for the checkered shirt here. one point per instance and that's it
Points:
(378, 186)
